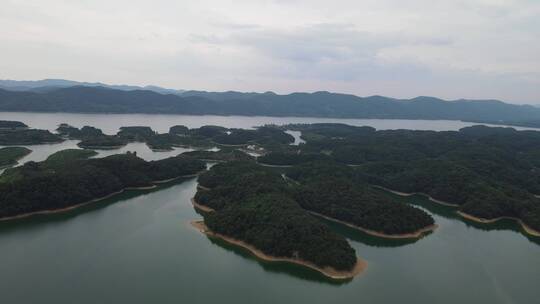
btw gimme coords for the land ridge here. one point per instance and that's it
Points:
(96, 99)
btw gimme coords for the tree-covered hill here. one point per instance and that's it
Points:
(10, 155)
(489, 172)
(51, 185)
(254, 205)
(98, 99)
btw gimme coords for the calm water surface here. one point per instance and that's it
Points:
(138, 247)
(110, 123)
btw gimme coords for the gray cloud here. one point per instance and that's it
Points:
(451, 49)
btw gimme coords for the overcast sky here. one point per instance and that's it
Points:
(445, 48)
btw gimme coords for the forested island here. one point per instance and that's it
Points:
(18, 133)
(270, 196)
(204, 137)
(254, 207)
(223, 155)
(10, 155)
(12, 125)
(68, 179)
(488, 173)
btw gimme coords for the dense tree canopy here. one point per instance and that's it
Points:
(10, 124)
(254, 204)
(136, 133)
(102, 142)
(489, 172)
(221, 155)
(10, 155)
(63, 157)
(76, 133)
(50, 185)
(27, 137)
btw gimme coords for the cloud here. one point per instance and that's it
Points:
(451, 49)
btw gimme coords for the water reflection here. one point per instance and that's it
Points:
(450, 213)
(34, 221)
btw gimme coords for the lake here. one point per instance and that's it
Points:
(139, 247)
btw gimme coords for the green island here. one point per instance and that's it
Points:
(12, 125)
(17, 133)
(331, 190)
(136, 133)
(67, 179)
(205, 137)
(275, 204)
(269, 212)
(104, 142)
(222, 155)
(91, 137)
(10, 155)
(487, 173)
(253, 207)
(68, 155)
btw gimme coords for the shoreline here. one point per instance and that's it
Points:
(329, 272)
(201, 207)
(405, 194)
(43, 212)
(203, 187)
(161, 150)
(101, 147)
(412, 235)
(53, 211)
(528, 230)
(16, 160)
(208, 160)
(480, 220)
(275, 166)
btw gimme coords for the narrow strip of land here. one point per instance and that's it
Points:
(412, 235)
(417, 193)
(473, 218)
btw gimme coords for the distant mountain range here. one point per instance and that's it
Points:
(57, 95)
(46, 85)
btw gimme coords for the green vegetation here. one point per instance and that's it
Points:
(290, 158)
(49, 185)
(136, 133)
(179, 130)
(60, 158)
(94, 138)
(76, 133)
(168, 141)
(254, 205)
(9, 124)
(263, 135)
(221, 155)
(208, 136)
(10, 155)
(27, 137)
(488, 172)
(208, 131)
(102, 142)
(331, 189)
(79, 99)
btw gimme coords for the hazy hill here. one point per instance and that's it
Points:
(99, 99)
(46, 85)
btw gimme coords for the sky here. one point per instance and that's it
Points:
(477, 49)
